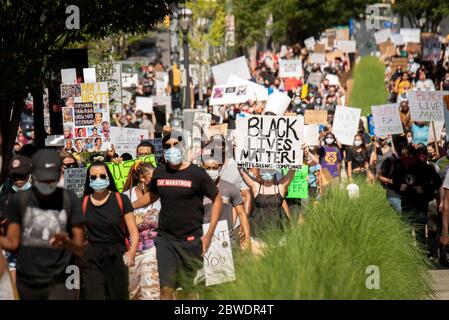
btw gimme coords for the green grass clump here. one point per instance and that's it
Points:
(369, 88)
(327, 257)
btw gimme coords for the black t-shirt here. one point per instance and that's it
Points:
(105, 223)
(40, 219)
(358, 158)
(388, 167)
(182, 193)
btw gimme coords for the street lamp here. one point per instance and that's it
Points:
(184, 21)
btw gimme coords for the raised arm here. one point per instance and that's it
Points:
(287, 179)
(250, 182)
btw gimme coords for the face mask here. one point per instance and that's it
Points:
(409, 140)
(297, 101)
(329, 140)
(25, 187)
(173, 156)
(357, 143)
(267, 176)
(46, 188)
(213, 174)
(99, 185)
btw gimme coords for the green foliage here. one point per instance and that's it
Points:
(369, 87)
(250, 17)
(327, 257)
(432, 11)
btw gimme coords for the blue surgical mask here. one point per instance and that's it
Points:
(99, 185)
(25, 187)
(46, 189)
(267, 176)
(173, 156)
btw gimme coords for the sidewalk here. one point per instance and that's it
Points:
(440, 280)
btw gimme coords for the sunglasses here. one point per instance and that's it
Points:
(101, 176)
(168, 146)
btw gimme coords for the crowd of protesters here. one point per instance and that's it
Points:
(148, 241)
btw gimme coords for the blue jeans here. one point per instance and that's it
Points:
(395, 202)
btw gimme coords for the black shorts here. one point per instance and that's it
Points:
(178, 261)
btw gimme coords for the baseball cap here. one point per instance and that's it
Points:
(20, 166)
(47, 165)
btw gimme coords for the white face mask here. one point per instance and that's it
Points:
(357, 143)
(410, 139)
(213, 174)
(329, 140)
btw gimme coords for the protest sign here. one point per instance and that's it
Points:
(314, 78)
(426, 105)
(84, 114)
(446, 112)
(269, 141)
(346, 124)
(95, 92)
(319, 48)
(290, 68)
(311, 134)
(330, 43)
(188, 117)
(89, 75)
(386, 119)
(299, 187)
(224, 94)
(201, 125)
(411, 35)
(319, 58)
(277, 103)
(68, 76)
(315, 117)
(439, 125)
(309, 43)
(398, 62)
(382, 35)
(431, 48)
(342, 33)
(112, 74)
(219, 129)
(158, 149)
(74, 180)
(348, 46)
(145, 104)
(387, 49)
(330, 56)
(397, 39)
(163, 101)
(237, 66)
(129, 79)
(126, 140)
(255, 90)
(413, 48)
(120, 171)
(333, 80)
(218, 261)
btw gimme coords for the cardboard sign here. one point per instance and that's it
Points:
(348, 46)
(387, 120)
(237, 66)
(311, 134)
(413, 48)
(382, 35)
(68, 76)
(219, 129)
(229, 94)
(330, 56)
(218, 261)
(342, 34)
(269, 141)
(315, 117)
(387, 49)
(314, 78)
(277, 103)
(89, 75)
(346, 124)
(309, 43)
(398, 62)
(145, 104)
(330, 43)
(397, 39)
(120, 171)
(74, 180)
(318, 58)
(426, 105)
(319, 48)
(411, 35)
(126, 140)
(299, 187)
(290, 68)
(256, 92)
(439, 125)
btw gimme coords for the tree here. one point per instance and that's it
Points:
(423, 14)
(33, 33)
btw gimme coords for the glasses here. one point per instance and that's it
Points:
(101, 176)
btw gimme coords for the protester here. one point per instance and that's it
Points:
(330, 155)
(420, 132)
(358, 159)
(46, 226)
(108, 215)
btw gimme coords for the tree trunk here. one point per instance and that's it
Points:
(38, 113)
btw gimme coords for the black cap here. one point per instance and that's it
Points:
(20, 166)
(47, 165)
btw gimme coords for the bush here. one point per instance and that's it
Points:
(327, 257)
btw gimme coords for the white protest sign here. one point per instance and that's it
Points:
(311, 134)
(386, 119)
(319, 58)
(237, 66)
(382, 35)
(333, 80)
(438, 130)
(68, 76)
(309, 43)
(426, 105)
(112, 74)
(269, 141)
(290, 68)
(255, 90)
(89, 75)
(277, 103)
(348, 46)
(129, 79)
(314, 78)
(74, 180)
(126, 140)
(218, 261)
(145, 104)
(346, 124)
(201, 126)
(229, 94)
(411, 35)
(397, 39)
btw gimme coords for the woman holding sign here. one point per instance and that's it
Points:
(268, 198)
(358, 159)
